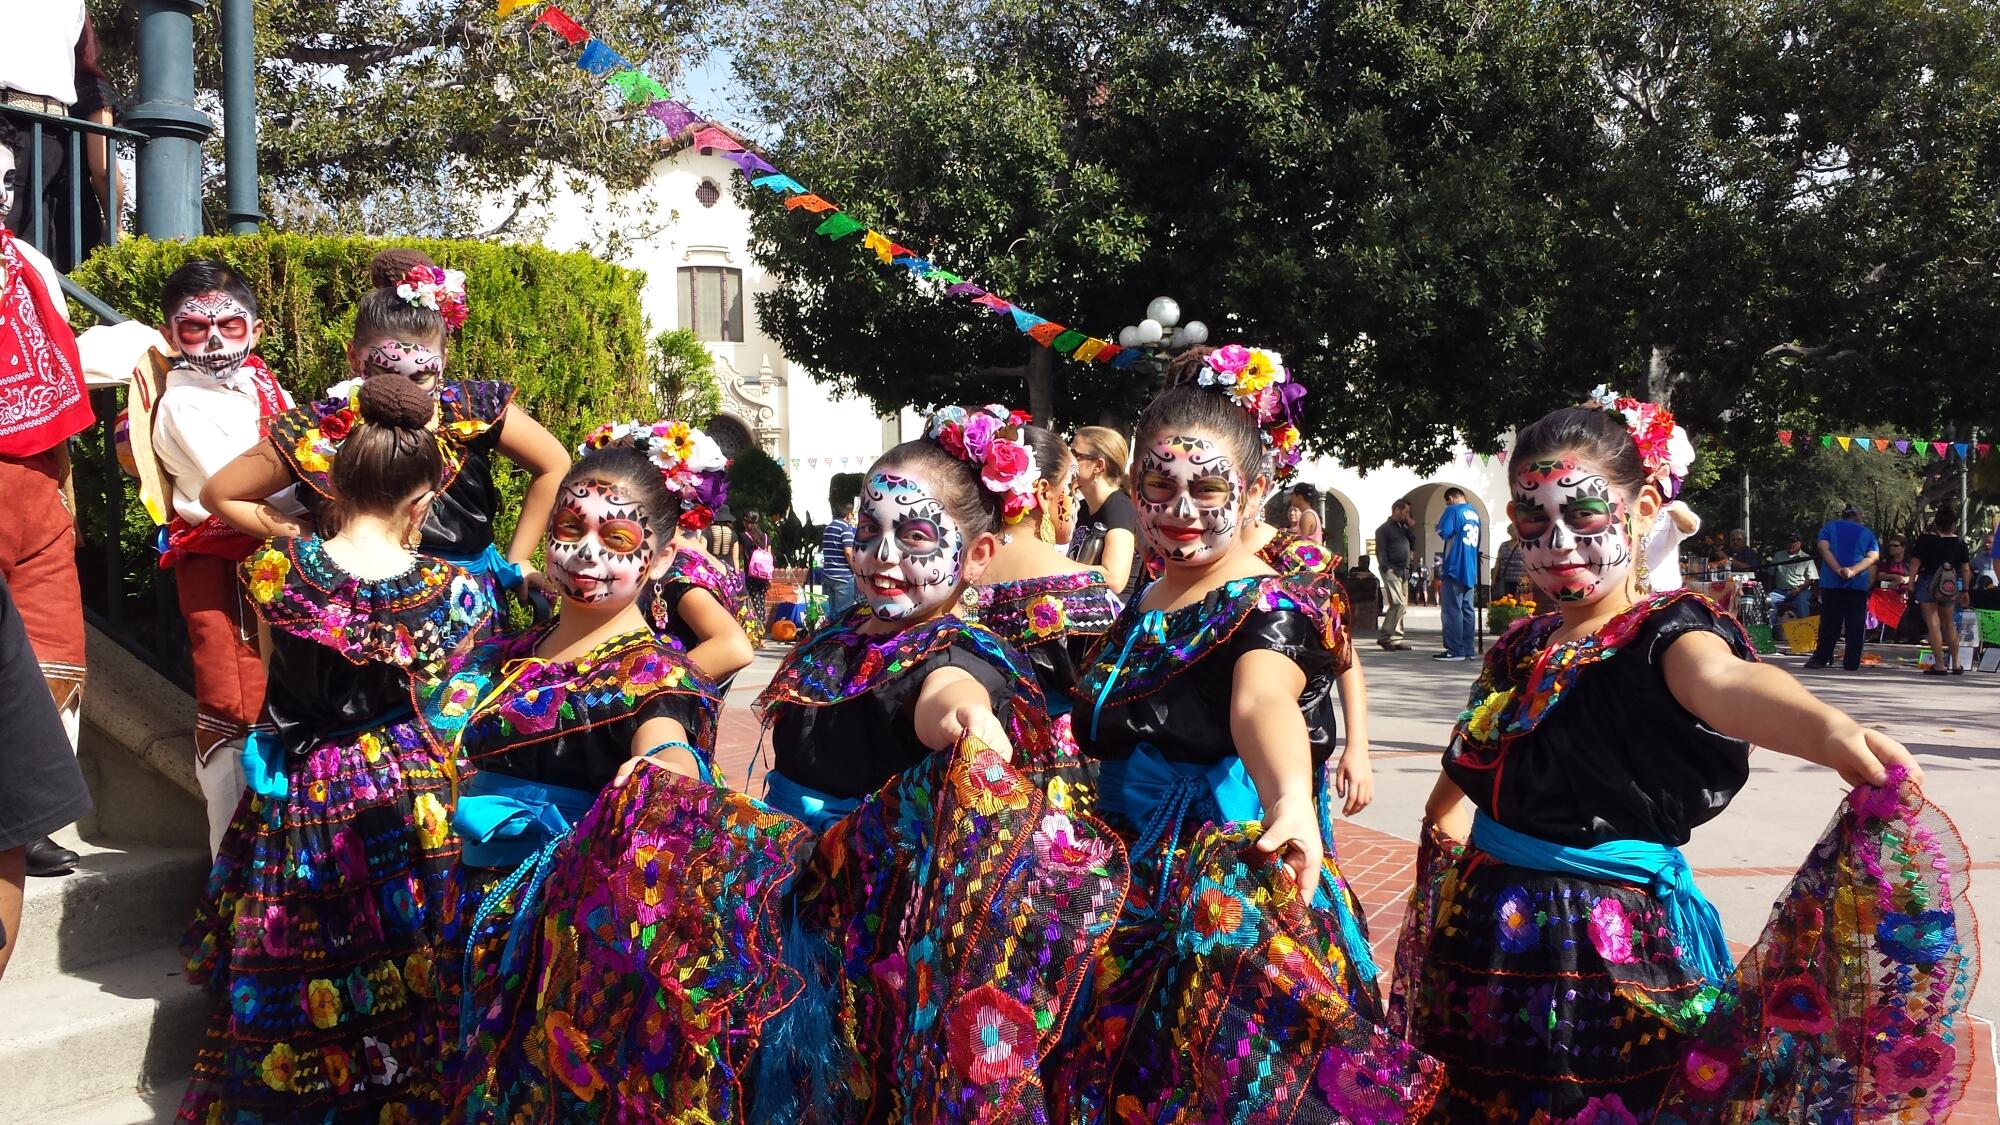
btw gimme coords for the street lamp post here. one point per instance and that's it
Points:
(1161, 334)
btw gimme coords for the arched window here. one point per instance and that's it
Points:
(730, 434)
(708, 193)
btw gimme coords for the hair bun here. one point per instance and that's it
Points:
(387, 267)
(391, 400)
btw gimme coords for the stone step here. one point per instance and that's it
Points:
(122, 899)
(106, 1031)
(158, 1107)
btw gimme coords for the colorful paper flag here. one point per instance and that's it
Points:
(839, 225)
(1881, 443)
(1087, 351)
(1045, 333)
(1938, 448)
(712, 137)
(879, 243)
(1121, 357)
(750, 164)
(1960, 448)
(1902, 445)
(920, 266)
(599, 59)
(1983, 447)
(999, 305)
(967, 290)
(1785, 438)
(675, 116)
(780, 184)
(811, 203)
(637, 87)
(506, 7)
(946, 276)
(558, 21)
(1069, 341)
(1826, 441)
(1846, 443)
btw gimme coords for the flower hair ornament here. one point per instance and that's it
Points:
(689, 461)
(989, 438)
(1664, 447)
(1257, 380)
(440, 290)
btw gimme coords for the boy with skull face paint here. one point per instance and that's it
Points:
(400, 331)
(219, 397)
(947, 913)
(1208, 708)
(1597, 738)
(566, 820)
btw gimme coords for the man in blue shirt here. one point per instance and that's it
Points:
(1459, 529)
(1847, 552)
(836, 558)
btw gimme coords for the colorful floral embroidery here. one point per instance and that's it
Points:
(1058, 846)
(1918, 939)
(1611, 931)
(308, 436)
(991, 1035)
(1515, 917)
(1220, 914)
(323, 1003)
(725, 583)
(280, 1064)
(1290, 555)
(1034, 611)
(411, 619)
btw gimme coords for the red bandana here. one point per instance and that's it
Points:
(42, 403)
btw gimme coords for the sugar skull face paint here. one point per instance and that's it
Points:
(8, 176)
(413, 359)
(214, 332)
(1575, 531)
(1062, 506)
(1189, 493)
(908, 552)
(600, 544)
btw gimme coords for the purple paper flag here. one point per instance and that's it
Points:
(1902, 446)
(965, 289)
(675, 116)
(750, 164)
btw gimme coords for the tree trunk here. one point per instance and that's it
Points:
(1660, 376)
(1041, 380)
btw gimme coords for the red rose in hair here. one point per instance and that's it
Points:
(338, 424)
(952, 437)
(697, 518)
(1005, 460)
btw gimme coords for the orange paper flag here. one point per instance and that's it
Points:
(811, 203)
(1046, 332)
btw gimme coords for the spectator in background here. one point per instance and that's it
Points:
(1720, 580)
(1943, 582)
(1510, 568)
(836, 558)
(1459, 575)
(1792, 576)
(41, 788)
(1303, 512)
(1847, 551)
(754, 546)
(43, 400)
(1743, 557)
(1672, 527)
(1107, 527)
(722, 538)
(1395, 543)
(49, 64)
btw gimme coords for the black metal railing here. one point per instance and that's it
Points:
(35, 226)
(125, 594)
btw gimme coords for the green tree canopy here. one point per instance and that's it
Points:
(683, 371)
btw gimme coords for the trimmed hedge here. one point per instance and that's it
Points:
(566, 329)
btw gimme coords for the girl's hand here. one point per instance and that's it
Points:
(979, 722)
(532, 579)
(1354, 781)
(672, 759)
(1863, 756)
(1291, 829)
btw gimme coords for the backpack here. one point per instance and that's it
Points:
(760, 564)
(1944, 584)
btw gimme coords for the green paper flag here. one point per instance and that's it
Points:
(637, 87)
(946, 276)
(1069, 341)
(1826, 441)
(839, 225)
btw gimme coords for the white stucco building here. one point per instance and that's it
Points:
(685, 230)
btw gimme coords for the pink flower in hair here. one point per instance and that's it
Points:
(979, 431)
(1229, 359)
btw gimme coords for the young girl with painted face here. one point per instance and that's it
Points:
(326, 901)
(568, 826)
(945, 918)
(1564, 967)
(1049, 608)
(1238, 980)
(697, 603)
(400, 330)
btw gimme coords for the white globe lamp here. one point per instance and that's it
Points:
(1128, 337)
(1149, 331)
(1164, 310)
(1194, 332)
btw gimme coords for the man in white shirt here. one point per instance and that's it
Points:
(217, 395)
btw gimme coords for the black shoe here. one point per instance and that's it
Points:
(1815, 662)
(46, 858)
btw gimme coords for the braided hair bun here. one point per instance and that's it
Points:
(397, 403)
(388, 267)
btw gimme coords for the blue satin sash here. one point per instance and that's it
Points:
(818, 810)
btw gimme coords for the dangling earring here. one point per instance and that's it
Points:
(1045, 525)
(658, 610)
(1643, 572)
(414, 537)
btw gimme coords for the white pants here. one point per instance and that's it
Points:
(221, 779)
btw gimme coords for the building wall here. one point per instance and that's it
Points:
(663, 226)
(1366, 498)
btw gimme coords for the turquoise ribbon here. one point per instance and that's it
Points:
(1152, 623)
(488, 563)
(817, 809)
(505, 820)
(1158, 795)
(263, 758)
(1697, 927)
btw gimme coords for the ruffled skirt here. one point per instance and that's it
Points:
(318, 931)
(1551, 998)
(651, 966)
(1223, 997)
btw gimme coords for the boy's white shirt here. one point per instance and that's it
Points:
(203, 423)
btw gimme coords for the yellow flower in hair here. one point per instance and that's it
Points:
(1257, 374)
(679, 441)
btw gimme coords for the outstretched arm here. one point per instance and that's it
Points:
(1270, 735)
(528, 444)
(237, 490)
(1766, 706)
(952, 703)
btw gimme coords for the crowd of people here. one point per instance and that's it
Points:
(1048, 834)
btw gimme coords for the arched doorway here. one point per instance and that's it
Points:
(730, 434)
(1427, 507)
(1336, 517)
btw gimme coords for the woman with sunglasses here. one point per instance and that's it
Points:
(1107, 529)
